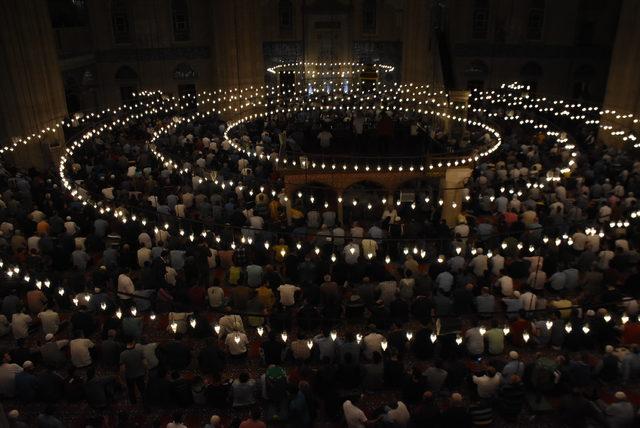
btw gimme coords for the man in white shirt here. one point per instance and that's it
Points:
(216, 298)
(537, 279)
(529, 301)
(20, 325)
(372, 343)
(480, 263)
(388, 290)
(230, 323)
(354, 417)
(287, 294)
(79, 349)
(351, 253)
(8, 372)
(125, 285)
(397, 415)
(50, 321)
(488, 384)
(474, 341)
(144, 255)
(236, 343)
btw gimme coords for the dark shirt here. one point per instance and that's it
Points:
(272, 351)
(110, 352)
(50, 386)
(174, 354)
(26, 385)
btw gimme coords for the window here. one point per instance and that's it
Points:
(369, 15)
(180, 13)
(120, 22)
(480, 23)
(535, 20)
(285, 15)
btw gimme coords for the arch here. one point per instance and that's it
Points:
(180, 19)
(531, 70)
(364, 192)
(126, 73)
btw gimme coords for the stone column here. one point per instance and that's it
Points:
(237, 43)
(30, 79)
(418, 53)
(623, 85)
(452, 185)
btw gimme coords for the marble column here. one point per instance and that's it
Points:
(237, 43)
(452, 185)
(623, 85)
(30, 80)
(418, 50)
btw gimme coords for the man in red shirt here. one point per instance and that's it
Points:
(253, 421)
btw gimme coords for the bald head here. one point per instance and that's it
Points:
(215, 421)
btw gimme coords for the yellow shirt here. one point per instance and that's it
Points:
(266, 297)
(279, 252)
(562, 306)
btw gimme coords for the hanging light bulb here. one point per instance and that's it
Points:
(506, 330)
(266, 245)
(384, 344)
(624, 319)
(309, 344)
(409, 335)
(358, 338)
(549, 324)
(607, 318)
(119, 313)
(236, 338)
(103, 306)
(216, 328)
(284, 336)
(586, 329)
(433, 337)
(459, 340)
(260, 330)
(134, 311)
(525, 337)
(334, 335)
(193, 322)
(568, 327)
(152, 316)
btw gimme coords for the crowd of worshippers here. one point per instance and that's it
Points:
(371, 132)
(459, 337)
